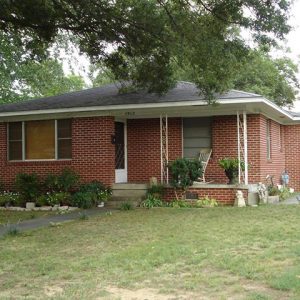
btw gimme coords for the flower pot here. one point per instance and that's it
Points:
(101, 204)
(273, 199)
(232, 175)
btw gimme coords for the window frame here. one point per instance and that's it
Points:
(24, 146)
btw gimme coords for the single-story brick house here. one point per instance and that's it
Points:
(128, 137)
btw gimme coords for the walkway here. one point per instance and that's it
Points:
(46, 221)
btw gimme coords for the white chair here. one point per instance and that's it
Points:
(204, 156)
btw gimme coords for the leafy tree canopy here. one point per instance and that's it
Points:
(140, 40)
(25, 75)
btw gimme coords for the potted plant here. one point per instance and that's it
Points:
(231, 168)
(273, 194)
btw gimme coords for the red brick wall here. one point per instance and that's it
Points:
(292, 154)
(276, 165)
(224, 196)
(92, 153)
(143, 147)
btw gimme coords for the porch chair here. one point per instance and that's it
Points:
(204, 156)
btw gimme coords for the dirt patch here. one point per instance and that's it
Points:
(51, 291)
(149, 294)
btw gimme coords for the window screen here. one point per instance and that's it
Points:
(196, 136)
(15, 141)
(64, 139)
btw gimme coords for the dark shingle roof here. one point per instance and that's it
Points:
(109, 95)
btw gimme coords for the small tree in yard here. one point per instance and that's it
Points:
(183, 173)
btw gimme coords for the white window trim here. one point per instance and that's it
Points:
(24, 148)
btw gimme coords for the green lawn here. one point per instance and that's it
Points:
(165, 253)
(9, 216)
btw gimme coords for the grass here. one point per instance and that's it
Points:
(9, 216)
(162, 253)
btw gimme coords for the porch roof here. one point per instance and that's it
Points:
(182, 100)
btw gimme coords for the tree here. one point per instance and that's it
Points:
(273, 78)
(25, 75)
(145, 38)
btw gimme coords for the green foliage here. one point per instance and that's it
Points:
(126, 206)
(152, 201)
(184, 172)
(284, 193)
(58, 198)
(26, 74)
(42, 200)
(276, 79)
(207, 202)
(83, 200)
(156, 190)
(151, 36)
(83, 216)
(68, 180)
(9, 198)
(273, 190)
(100, 192)
(231, 168)
(179, 204)
(29, 186)
(11, 229)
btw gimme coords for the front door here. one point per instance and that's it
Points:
(120, 152)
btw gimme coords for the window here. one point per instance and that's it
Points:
(38, 140)
(268, 139)
(196, 136)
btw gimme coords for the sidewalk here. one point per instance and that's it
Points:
(45, 221)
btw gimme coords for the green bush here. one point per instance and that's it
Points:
(284, 193)
(42, 200)
(179, 204)
(152, 201)
(207, 202)
(183, 173)
(51, 183)
(83, 200)
(9, 199)
(29, 186)
(99, 191)
(273, 190)
(68, 180)
(156, 190)
(59, 198)
(126, 206)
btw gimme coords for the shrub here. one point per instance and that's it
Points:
(51, 183)
(83, 200)
(68, 180)
(9, 199)
(284, 193)
(156, 190)
(42, 200)
(183, 173)
(179, 204)
(58, 198)
(207, 202)
(152, 201)
(126, 206)
(28, 186)
(99, 191)
(273, 191)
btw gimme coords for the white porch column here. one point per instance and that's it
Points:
(245, 146)
(164, 149)
(242, 140)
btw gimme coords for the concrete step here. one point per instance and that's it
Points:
(129, 193)
(116, 202)
(129, 186)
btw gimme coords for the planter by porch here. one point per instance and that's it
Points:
(273, 199)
